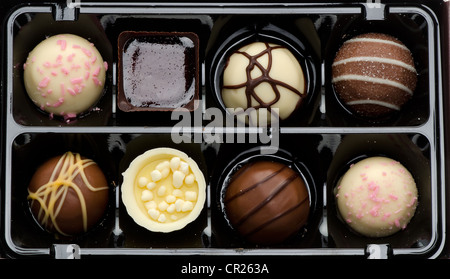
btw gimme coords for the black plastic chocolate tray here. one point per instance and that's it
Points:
(321, 141)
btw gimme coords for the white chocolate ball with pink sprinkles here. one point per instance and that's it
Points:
(377, 197)
(65, 75)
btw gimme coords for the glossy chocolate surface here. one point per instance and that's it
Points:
(68, 194)
(267, 202)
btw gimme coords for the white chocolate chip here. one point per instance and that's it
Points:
(162, 218)
(151, 185)
(156, 175)
(153, 213)
(163, 205)
(177, 193)
(150, 205)
(171, 198)
(165, 172)
(187, 206)
(175, 163)
(171, 208)
(189, 179)
(162, 191)
(178, 178)
(142, 182)
(179, 205)
(190, 195)
(184, 167)
(163, 165)
(174, 217)
(146, 195)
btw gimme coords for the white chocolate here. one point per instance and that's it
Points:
(153, 213)
(142, 181)
(377, 197)
(184, 168)
(150, 205)
(162, 191)
(151, 185)
(190, 178)
(178, 193)
(285, 68)
(163, 206)
(156, 175)
(175, 163)
(146, 195)
(65, 75)
(171, 198)
(191, 195)
(162, 218)
(178, 178)
(169, 193)
(187, 206)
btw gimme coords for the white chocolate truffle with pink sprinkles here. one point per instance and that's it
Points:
(65, 75)
(377, 197)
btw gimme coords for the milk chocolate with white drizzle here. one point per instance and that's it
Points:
(264, 76)
(68, 194)
(267, 202)
(374, 75)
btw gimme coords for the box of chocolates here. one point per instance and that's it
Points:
(307, 129)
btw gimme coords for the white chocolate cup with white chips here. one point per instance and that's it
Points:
(163, 190)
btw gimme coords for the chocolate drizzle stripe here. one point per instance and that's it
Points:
(251, 83)
(268, 222)
(258, 207)
(265, 179)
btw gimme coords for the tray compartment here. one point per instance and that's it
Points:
(115, 137)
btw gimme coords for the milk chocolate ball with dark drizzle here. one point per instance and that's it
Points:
(68, 194)
(266, 202)
(263, 75)
(374, 75)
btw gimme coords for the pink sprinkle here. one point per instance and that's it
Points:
(87, 52)
(76, 46)
(71, 91)
(47, 64)
(93, 59)
(63, 90)
(65, 71)
(33, 59)
(374, 211)
(70, 57)
(393, 197)
(86, 76)
(24, 66)
(96, 72)
(69, 116)
(76, 80)
(44, 82)
(397, 223)
(62, 43)
(75, 67)
(49, 91)
(385, 216)
(54, 73)
(105, 64)
(96, 81)
(87, 65)
(348, 220)
(58, 103)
